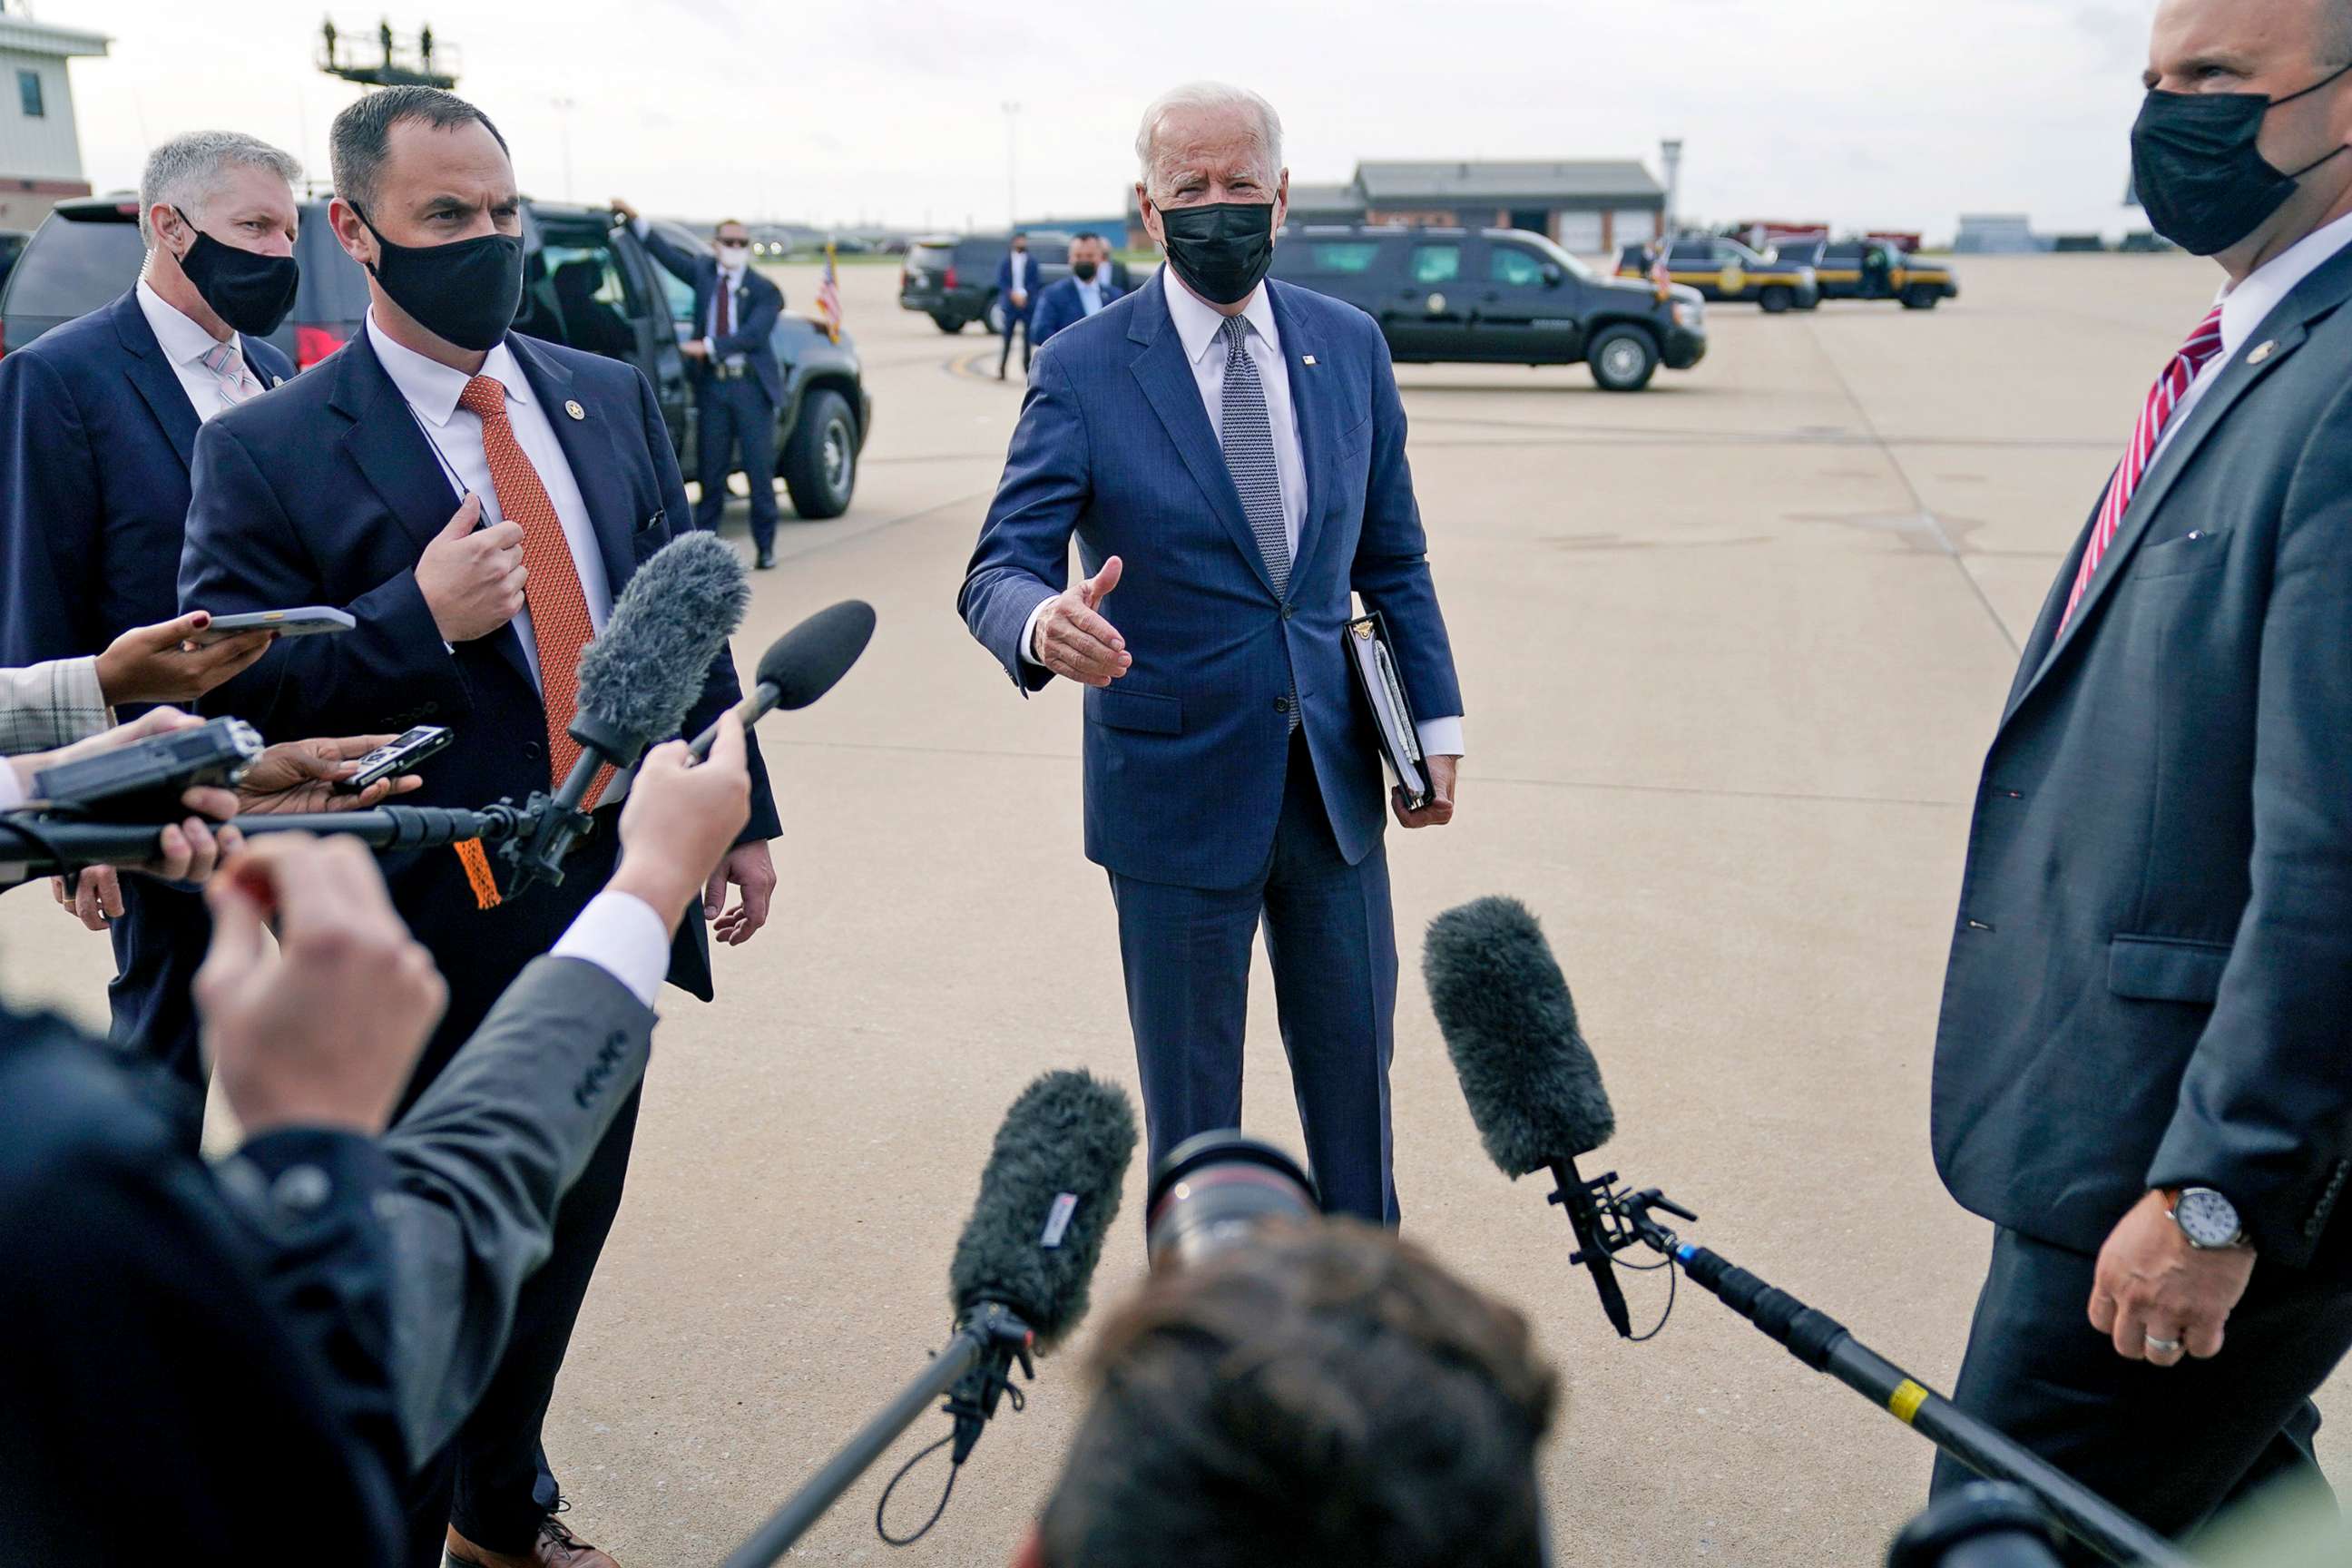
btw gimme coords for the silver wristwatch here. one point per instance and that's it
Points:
(2208, 1219)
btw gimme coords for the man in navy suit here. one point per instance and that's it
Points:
(98, 422)
(1016, 296)
(1230, 453)
(737, 385)
(1069, 300)
(475, 500)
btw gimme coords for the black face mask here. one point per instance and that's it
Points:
(1084, 272)
(465, 293)
(1221, 249)
(2199, 170)
(250, 291)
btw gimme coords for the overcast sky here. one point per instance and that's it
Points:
(1865, 113)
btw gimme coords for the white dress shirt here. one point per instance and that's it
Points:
(1089, 294)
(1023, 270)
(432, 390)
(729, 282)
(620, 935)
(2249, 304)
(185, 344)
(1198, 325)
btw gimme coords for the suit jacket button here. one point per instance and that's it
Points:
(1289, 610)
(531, 750)
(1282, 704)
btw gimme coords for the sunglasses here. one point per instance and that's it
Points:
(734, 245)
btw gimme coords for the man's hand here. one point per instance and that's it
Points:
(324, 1030)
(300, 775)
(2151, 1284)
(748, 866)
(1440, 809)
(1074, 641)
(160, 664)
(695, 348)
(472, 582)
(623, 211)
(184, 853)
(680, 820)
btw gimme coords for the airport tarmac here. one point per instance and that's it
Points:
(1731, 648)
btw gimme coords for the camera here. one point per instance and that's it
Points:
(144, 781)
(1217, 1189)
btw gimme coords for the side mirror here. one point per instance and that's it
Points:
(1552, 275)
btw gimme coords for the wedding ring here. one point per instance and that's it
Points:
(2162, 1347)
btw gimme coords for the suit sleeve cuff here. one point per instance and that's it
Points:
(621, 935)
(1441, 737)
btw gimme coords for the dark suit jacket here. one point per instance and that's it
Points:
(1036, 286)
(1058, 306)
(1185, 755)
(758, 303)
(329, 495)
(1121, 277)
(2151, 972)
(96, 437)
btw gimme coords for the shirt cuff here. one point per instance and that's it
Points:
(1029, 633)
(1441, 737)
(637, 225)
(621, 935)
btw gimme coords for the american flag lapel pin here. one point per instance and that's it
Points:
(1307, 358)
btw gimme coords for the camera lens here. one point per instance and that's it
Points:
(1216, 1189)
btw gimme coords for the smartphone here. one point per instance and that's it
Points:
(399, 757)
(311, 620)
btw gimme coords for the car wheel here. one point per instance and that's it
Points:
(1919, 297)
(1624, 359)
(996, 318)
(1776, 300)
(950, 323)
(820, 463)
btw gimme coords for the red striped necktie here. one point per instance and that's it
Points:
(2163, 401)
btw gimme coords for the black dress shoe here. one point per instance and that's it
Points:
(766, 560)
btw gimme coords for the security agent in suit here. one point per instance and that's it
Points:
(98, 426)
(1016, 294)
(223, 1359)
(1230, 453)
(737, 385)
(1069, 300)
(2140, 1075)
(346, 490)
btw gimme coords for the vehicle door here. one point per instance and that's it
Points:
(1879, 279)
(1427, 312)
(1526, 309)
(654, 306)
(1692, 261)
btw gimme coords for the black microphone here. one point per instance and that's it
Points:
(55, 846)
(804, 664)
(1022, 1271)
(638, 681)
(1530, 1081)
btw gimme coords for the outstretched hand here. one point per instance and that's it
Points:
(301, 775)
(1072, 639)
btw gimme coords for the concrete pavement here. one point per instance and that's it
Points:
(1732, 650)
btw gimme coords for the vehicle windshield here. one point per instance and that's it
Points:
(1552, 253)
(78, 264)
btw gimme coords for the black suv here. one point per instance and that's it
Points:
(1498, 296)
(1874, 269)
(1724, 269)
(585, 284)
(952, 279)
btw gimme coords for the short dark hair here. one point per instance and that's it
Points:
(1086, 234)
(360, 136)
(730, 222)
(1322, 1394)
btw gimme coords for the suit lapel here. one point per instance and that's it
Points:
(1314, 419)
(1167, 381)
(590, 447)
(157, 383)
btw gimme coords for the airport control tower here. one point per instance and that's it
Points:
(381, 57)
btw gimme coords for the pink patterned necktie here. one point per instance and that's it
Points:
(227, 365)
(2163, 401)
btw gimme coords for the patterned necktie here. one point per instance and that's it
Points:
(726, 307)
(1246, 433)
(227, 365)
(2163, 401)
(559, 605)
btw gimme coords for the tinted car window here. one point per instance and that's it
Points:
(1436, 263)
(333, 285)
(581, 296)
(74, 265)
(1343, 255)
(1511, 265)
(931, 258)
(1700, 254)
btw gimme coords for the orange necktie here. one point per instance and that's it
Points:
(558, 606)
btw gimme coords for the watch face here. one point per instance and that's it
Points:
(2206, 1218)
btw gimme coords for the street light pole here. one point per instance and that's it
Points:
(1012, 160)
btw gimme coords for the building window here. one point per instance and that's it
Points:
(29, 94)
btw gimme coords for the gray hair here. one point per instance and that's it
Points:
(361, 138)
(186, 171)
(1214, 96)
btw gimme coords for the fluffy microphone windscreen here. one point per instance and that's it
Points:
(639, 678)
(1047, 1199)
(1533, 1086)
(804, 664)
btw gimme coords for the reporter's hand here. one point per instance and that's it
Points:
(300, 775)
(160, 664)
(623, 211)
(681, 819)
(1443, 781)
(1073, 639)
(472, 580)
(324, 1030)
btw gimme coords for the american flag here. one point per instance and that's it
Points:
(828, 296)
(1661, 277)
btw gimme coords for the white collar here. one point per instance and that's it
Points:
(2246, 306)
(433, 388)
(734, 274)
(1198, 322)
(176, 333)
